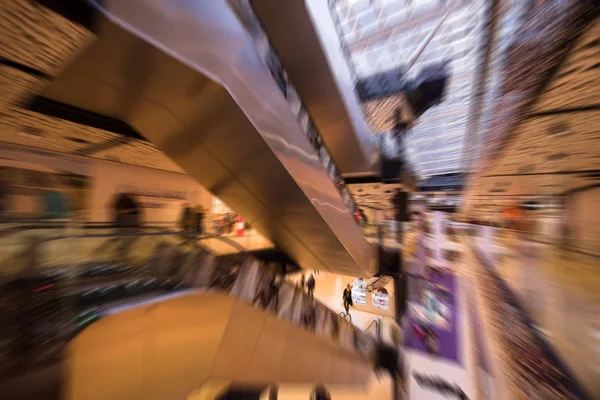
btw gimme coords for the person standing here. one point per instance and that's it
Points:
(199, 220)
(310, 285)
(347, 297)
(320, 392)
(127, 213)
(127, 220)
(301, 282)
(358, 218)
(185, 221)
(274, 286)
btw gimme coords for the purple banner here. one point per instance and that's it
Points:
(432, 316)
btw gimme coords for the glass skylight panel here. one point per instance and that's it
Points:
(383, 35)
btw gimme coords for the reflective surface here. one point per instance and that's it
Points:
(304, 36)
(169, 350)
(256, 159)
(72, 279)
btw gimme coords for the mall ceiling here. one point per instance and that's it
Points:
(247, 174)
(38, 44)
(556, 149)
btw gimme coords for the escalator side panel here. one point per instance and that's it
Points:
(160, 67)
(170, 349)
(305, 38)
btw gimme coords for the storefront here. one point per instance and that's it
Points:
(90, 186)
(24, 188)
(225, 221)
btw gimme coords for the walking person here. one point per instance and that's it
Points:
(310, 285)
(185, 221)
(347, 297)
(127, 216)
(320, 392)
(199, 220)
(301, 282)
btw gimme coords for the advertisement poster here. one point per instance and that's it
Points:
(359, 291)
(433, 320)
(381, 299)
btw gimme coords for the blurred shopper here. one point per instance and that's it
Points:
(274, 287)
(335, 326)
(310, 285)
(269, 294)
(359, 218)
(309, 316)
(127, 220)
(301, 282)
(347, 298)
(187, 222)
(389, 359)
(127, 212)
(186, 218)
(200, 220)
(320, 392)
(231, 218)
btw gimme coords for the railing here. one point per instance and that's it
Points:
(377, 324)
(269, 56)
(71, 281)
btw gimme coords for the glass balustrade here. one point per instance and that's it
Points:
(58, 280)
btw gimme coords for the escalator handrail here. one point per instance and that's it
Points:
(278, 69)
(375, 322)
(200, 237)
(55, 225)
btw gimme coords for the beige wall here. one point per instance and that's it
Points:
(110, 178)
(583, 210)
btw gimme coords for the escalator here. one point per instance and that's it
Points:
(168, 317)
(187, 77)
(305, 38)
